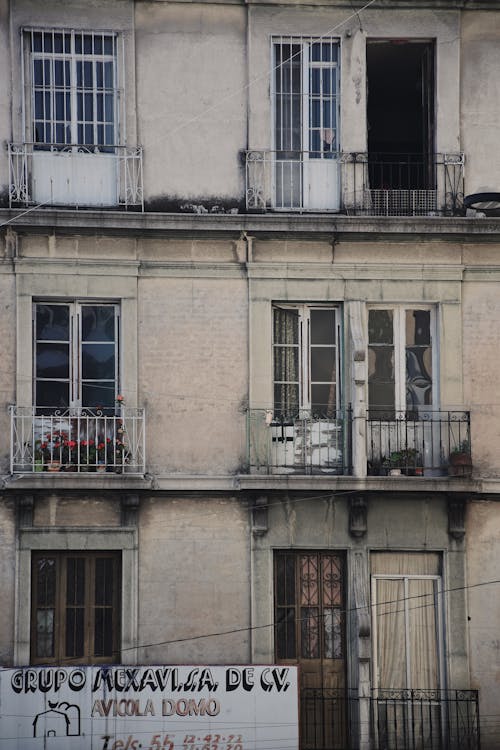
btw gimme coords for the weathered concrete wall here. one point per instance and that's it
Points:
(5, 99)
(268, 21)
(480, 99)
(7, 578)
(481, 311)
(193, 580)
(483, 565)
(193, 379)
(191, 101)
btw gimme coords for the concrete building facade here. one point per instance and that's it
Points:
(249, 316)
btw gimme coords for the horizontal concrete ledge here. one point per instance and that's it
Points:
(234, 484)
(120, 223)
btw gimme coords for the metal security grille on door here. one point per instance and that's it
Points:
(310, 631)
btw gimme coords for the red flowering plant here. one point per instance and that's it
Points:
(56, 446)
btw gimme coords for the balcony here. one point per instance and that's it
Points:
(424, 444)
(77, 440)
(299, 445)
(427, 443)
(430, 719)
(75, 175)
(355, 183)
(333, 719)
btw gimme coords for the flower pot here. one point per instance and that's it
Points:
(101, 467)
(395, 472)
(53, 466)
(460, 465)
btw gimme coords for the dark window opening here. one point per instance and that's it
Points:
(400, 114)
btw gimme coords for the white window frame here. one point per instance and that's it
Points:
(304, 346)
(75, 346)
(399, 343)
(72, 56)
(307, 65)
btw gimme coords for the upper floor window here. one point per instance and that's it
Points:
(75, 354)
(73, 87)
(306, 360)
(305, 122)
(400, 360)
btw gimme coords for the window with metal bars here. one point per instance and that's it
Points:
(73, 88)
(75, 607)
(306, 96)
(309, 605)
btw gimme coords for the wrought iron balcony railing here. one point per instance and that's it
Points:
(77, 440)
(75, 175)
(356, 183)
(430, 719)
(301, 444)
(423, 443)
(337, 719)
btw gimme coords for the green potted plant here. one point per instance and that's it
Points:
(460, 460)
(407, 461)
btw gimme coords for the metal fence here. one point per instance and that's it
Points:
(302, 444)
(418, 443)
(77, 440)
(426, 720)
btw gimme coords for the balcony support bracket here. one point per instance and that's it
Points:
(25, 505)
(456, 516)
(358, 516)
(260, 515)
(130, 507)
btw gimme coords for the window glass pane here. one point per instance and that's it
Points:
(380, 327)
(52, 322)
(98, 361)
(286, 326)
(104, 567)
(52, 360)
(36, 38)
(108, 75)
(418, 359)
(45, 575)
(45, 633)
(322, 326)
(52, 394)
(103, 632)
(38, 72)
(87, 44)
(323, 400)
(74, 646)
(75, 580)
(332, 622)
(309, 583)
(97, 45)
(285, 633)
(310, 644)
(323, 364)
(98, 395)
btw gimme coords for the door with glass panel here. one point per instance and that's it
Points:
(307, 428)
(75, 355)
(407, 659)
(305, 109)
(309, 597)
(402, 388)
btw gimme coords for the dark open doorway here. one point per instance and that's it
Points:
(400, 113)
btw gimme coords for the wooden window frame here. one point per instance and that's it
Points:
(90, 607)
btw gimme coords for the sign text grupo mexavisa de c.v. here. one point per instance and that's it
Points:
(149, 708)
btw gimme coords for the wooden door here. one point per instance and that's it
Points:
(310, 633)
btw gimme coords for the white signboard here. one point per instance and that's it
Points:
(149, 708)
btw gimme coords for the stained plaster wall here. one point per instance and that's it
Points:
(8, 357)
(8, 545)
(194, 580)
(443, 26)
(480, 99)
(394, 524)
(105, 15)
(481, 313)
(191, 100)
(483, 565)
